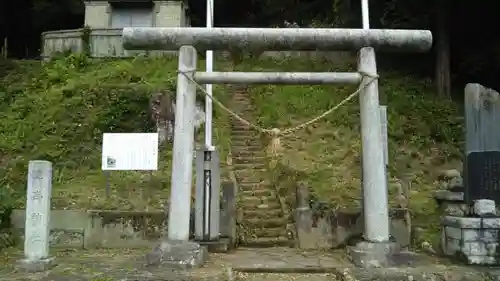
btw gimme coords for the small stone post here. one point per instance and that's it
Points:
(303, 218)
(228, 218)
(37, 229)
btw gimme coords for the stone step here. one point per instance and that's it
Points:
(262, 206)
(243, 143)
(248, 153)
(243, 110)
(259, 157)
(240, 126)
(241, 107)
(258, 213)
(240, 95)
(240, 99)
(245, 177)
(255, 148)
(244, 136)
(250, 180)
(244, 152)
(251, 148)
(258, 167)
(241, 102)
(248, 160)
(266, 223)
(236, 124)
(258, 200)
(245, 139)
(267, 242)
(256, 192)
(271, 232)
(264, 185)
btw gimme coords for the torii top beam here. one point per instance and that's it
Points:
(276, 39)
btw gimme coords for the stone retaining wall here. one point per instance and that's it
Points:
(103, 229)
(97, 228)
(468, 234)
(474, 240)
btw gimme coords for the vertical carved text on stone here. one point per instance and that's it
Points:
(483, 176)
(36, 243)
(36, 219)
(37, 193)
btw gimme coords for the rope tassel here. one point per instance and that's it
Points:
(275, 147)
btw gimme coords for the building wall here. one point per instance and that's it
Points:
(98, 14)
(170, 14)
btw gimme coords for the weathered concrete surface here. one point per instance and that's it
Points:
(391, 275)
(177, 255)
(376, 255)
(39, 265)
(119, 264)
(108, 265)
(291, 264)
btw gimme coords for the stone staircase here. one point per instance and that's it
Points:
(264, 220)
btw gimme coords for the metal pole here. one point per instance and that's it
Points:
(365, 13)
(209, 68)
(108, 184)
(207, 200)
(376, 214)
(182, 163)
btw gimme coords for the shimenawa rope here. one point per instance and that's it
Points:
(275, 144)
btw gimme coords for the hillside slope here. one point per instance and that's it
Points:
(59, 110)
(424, 131)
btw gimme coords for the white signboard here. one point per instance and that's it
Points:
(130, 151)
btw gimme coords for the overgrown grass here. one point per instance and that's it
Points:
(425, 136)
(58, 111)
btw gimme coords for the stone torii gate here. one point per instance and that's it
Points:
(376, 248)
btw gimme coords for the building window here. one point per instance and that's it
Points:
(123, 17)
(131, 14)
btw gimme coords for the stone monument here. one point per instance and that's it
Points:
(470, 225)
(37, 231)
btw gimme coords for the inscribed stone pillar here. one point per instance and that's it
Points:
(37, 231)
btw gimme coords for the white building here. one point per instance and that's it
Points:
(136, 13)
(104, 21)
